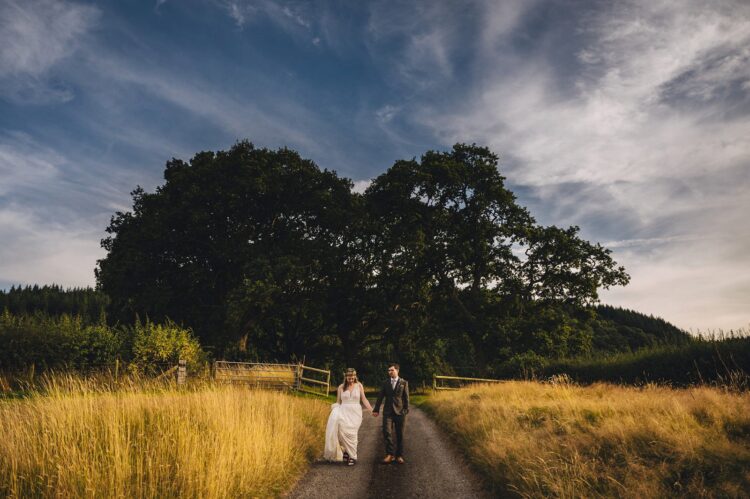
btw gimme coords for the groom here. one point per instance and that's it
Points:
(395, 391)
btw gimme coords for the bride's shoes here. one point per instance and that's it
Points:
(346, 457)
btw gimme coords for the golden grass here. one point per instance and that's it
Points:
(78, 439)
(540, 440)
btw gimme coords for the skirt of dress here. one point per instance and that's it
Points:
(341, 431)
(332, 450)
(350, 419)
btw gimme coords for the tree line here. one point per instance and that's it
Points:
(54, 300)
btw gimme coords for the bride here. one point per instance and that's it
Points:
(344, 421)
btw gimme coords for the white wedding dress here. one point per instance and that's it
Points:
(343, 424)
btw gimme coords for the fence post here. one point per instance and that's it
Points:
(181, 371)
(117, 368)
(434, 383)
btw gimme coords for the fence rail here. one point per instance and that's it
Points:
(439, 382)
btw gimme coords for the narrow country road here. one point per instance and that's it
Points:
(433, 469)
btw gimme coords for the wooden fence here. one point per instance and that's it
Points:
(280, 376)
(442, 382)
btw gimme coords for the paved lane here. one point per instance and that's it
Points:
(433, 469)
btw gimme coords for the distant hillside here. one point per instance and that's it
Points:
(620, 330)
(54, 300)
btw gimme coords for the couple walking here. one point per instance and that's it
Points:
(346, 417)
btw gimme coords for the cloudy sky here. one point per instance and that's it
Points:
(630, 119)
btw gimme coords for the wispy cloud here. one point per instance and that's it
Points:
(625, 115)
(630, 119)
(23, 165)
(425, 44)
(294, 17)
(386, 113)
(35, 36)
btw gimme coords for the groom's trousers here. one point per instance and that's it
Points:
(394, 423)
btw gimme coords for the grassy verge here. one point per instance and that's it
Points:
(537, 440)
(76, 440)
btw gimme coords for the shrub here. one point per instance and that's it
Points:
(55, 342)
(159, 345)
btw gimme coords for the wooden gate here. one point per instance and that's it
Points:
(308, 383)
(279, 376)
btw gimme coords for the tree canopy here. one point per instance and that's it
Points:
(266, 255)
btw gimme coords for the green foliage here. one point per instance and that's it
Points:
(155, 346)
(55, 342)
(67, 342)
(524, 365)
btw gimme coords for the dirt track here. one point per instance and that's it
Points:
(433, 467)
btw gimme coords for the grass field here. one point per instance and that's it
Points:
(540, 440)
(74, 438)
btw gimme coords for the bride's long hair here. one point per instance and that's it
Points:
(348, 372)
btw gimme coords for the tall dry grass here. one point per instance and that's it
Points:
(75, 438)
(540, 440)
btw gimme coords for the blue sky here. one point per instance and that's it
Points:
(630, 119)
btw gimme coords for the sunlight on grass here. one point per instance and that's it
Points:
(538, 440)
(75, 439)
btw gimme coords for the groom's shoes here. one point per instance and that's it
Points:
(388, 459)
(400, 460)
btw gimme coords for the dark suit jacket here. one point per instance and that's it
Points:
(396, 400)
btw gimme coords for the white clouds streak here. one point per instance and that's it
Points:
(618, 123)
(23, 165)
(35, 36)
(292, 17)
